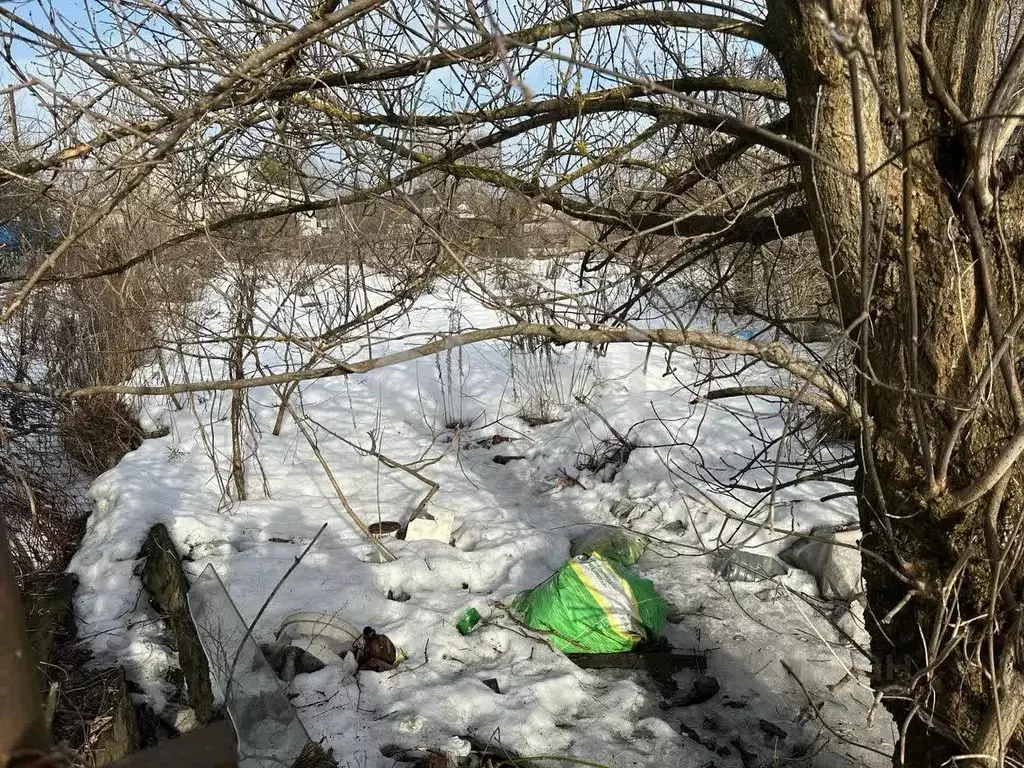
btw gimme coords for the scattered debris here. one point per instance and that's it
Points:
(325, 635)
(456, 753)
(677, 527)
(741, 565)
(457, 749)
(771, 729)
(670, 661)
(750, 754)
(593, 605)
(511, 534)
(613, 543)
(705, 741)
(212, 548)
(375, 652)
(467, 621)
(493, 440)
(831, 555)
(564, 480)
(541, 418)
(438, 529)
(623, 508)
(288, 661)
(659, 661)
(506, 459)
(704, 688)
(627, 510)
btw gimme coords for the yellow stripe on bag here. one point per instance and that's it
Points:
(620, 618)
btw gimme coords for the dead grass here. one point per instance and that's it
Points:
(45, 521)
(98, 431)
(71, 335)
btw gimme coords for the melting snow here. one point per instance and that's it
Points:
(513, 525)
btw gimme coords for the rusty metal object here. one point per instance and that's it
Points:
(213, 746)
(21, 707)
(384, 529)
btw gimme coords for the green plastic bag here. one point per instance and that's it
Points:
(593, 605)
(613, 543)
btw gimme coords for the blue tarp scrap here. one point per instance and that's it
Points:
(748, 334)
(9, 237)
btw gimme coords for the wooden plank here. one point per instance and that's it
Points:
(650, 661)
(214, 746)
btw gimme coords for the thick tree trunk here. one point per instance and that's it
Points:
(937, 656)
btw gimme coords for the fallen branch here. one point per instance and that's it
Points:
(816, 707)
(432, 486)
(773, 353)
(783, 393)
(311, 440)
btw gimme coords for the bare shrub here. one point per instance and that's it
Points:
(69, 336)
(452, 374)
(43, 507)
(44, 522)
(536, 382)
(98, 431)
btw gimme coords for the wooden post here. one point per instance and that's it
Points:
(21, 708)
(211, 747)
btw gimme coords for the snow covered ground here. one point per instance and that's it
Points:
(513, 526)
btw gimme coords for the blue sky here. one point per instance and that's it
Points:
(447, 86)
(538, 78)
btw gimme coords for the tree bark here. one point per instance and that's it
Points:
(935, 657)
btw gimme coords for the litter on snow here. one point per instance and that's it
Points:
(741, 565)
(556, 528)
(593, 604)
(613, 543)
(438, 529)
(267, 727)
